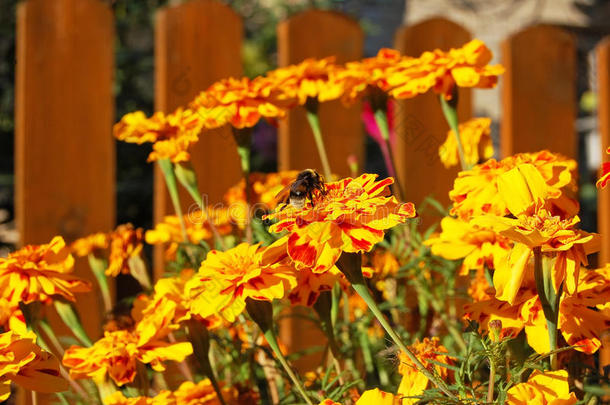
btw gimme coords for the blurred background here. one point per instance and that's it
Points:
(489, 20)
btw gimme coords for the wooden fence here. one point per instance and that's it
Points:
(65, 159)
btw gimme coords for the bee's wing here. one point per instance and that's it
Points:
(283, 194)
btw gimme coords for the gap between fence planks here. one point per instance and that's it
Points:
(317, 34)
(419, 122)
(196, 43)
(539, 92)
(64, 150)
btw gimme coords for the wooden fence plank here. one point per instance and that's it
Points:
(539, 92)
(65, 156)
(318, 34)
(419, 122)
(197, 43)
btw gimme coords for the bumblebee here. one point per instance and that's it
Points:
(306, 183)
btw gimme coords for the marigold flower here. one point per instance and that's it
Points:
(413, 382)
(475, 191)
(479, 247)
(241, 103)
(604, 178)
(39, 272)
(125, 243)
(11, 317)
(164, 397)
(91, 244)
(26, 364)
(350, 217)
(550, 388)
(442, 71)
(117, 352)
(371, 397)
(265, 187)
(171, 134)
(475, 135)
(310, 285)
(312, 78)
(226, 279)
(203, 393)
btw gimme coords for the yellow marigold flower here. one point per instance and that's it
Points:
(117, 352)
(479, 247)
(372, 397)
(442, 71)
(171, 134)
(310, 285)
(350, 217)
(11, 317)
(312, 78)
(39, 272)
(203, 393)
(27, 365)
(413, 382)
(550, 388)
(164, 397)
(241, 103)
(125, 243)
(92, 244)
(475, 135)
(604, 178)
(226, 279)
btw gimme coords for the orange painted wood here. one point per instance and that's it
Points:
(419, 122)
(318, 34)
(197, 43)
(539, 92)
(603, 116)
(65, 156)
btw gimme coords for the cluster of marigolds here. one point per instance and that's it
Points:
(207, 332)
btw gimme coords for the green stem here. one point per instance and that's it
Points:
(98, 268)
(492, 381)
(548, 299)
(381, 119)
(311, 108)
(272, 340)
(172, 188)
(68, 314)
(450, 112)
(364, 292)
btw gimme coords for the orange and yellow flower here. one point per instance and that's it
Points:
(125, 244)
(441, 71)
(413, 382)
(350, 217)
(117, 353)
(171, 134)
(27, 365)
(548, 388)
(241, 103)
(226, 279)
(39, 272)
(312, 78)
(604, 177)
(371, 397)
(91, 244)
(475, 135)
(475, 191)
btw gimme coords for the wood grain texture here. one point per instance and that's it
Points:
(318, 34)
(65, 153)
(196, 43)
(539, 92)
(419, 122)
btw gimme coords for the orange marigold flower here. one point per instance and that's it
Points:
(11, 317)
(350, 217)
(442, 71)
(312, 78)
(241, 103)
(265, 187)
(92, 244)
(413, 382)
(226, 279)
(125, 244)
(604, 178)
(475, 191)
(550, 387)
(39, 272)
(475, 135)
(171, 134)
(372, 397)
(310, 285)
(117, 353)
(203, 393)
(164, 397)
(27, 365)
(479, 247)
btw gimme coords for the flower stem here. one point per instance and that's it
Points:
(381, 119)
(548, 299)
(172, 187)
(450, 112)
(68, 314)
(492, 380)
(98, 268)
(272, 340)
(311, 108)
